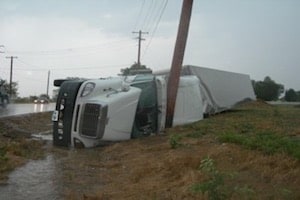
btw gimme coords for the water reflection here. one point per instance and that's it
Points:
(19, 109)
(38, 108)
(35, 180)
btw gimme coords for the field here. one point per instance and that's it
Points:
(250, 152)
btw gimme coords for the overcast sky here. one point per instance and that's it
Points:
(93, 38)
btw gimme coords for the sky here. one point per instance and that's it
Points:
(94, 38)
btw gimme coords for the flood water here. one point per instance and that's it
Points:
(35, 180)
(19, 109)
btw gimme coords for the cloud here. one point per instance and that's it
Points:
(10, 6)
(61, 44)
(107, 16)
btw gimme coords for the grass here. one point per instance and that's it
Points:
(167, 166)
(267, 142)
(256, 126)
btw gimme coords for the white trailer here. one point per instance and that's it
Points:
(221, 90)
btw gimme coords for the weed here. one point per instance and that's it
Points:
(214, 186)
(175, 140)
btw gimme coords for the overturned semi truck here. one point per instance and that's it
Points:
(90, 112)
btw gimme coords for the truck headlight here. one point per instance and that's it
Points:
(88, 88)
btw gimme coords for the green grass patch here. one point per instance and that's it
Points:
(256, 125)
(269, 143)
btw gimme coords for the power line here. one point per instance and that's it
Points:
(156, 26)
(139, 15)
(147, 15)
(21, 61)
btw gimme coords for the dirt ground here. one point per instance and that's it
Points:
(148, 168)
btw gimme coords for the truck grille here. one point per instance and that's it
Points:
(93, 120)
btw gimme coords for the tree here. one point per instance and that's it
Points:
(135, 69)
(267, 90)
(291, 95)
(6, 87)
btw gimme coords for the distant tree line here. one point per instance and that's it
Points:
(269, 90)
(135, 69)
(292, 95)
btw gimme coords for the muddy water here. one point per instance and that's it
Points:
(35, 180)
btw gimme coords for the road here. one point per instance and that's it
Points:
(19, 109)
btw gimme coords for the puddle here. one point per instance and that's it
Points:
(35, 180)
(20, 109)
(47, 135)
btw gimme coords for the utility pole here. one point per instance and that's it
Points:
(178, 55)
(11, 73)
(139, 47)
(48, 84)
(1, 46)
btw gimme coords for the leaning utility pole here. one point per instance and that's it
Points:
(139, 47)
(178, 55)
(11, 73)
